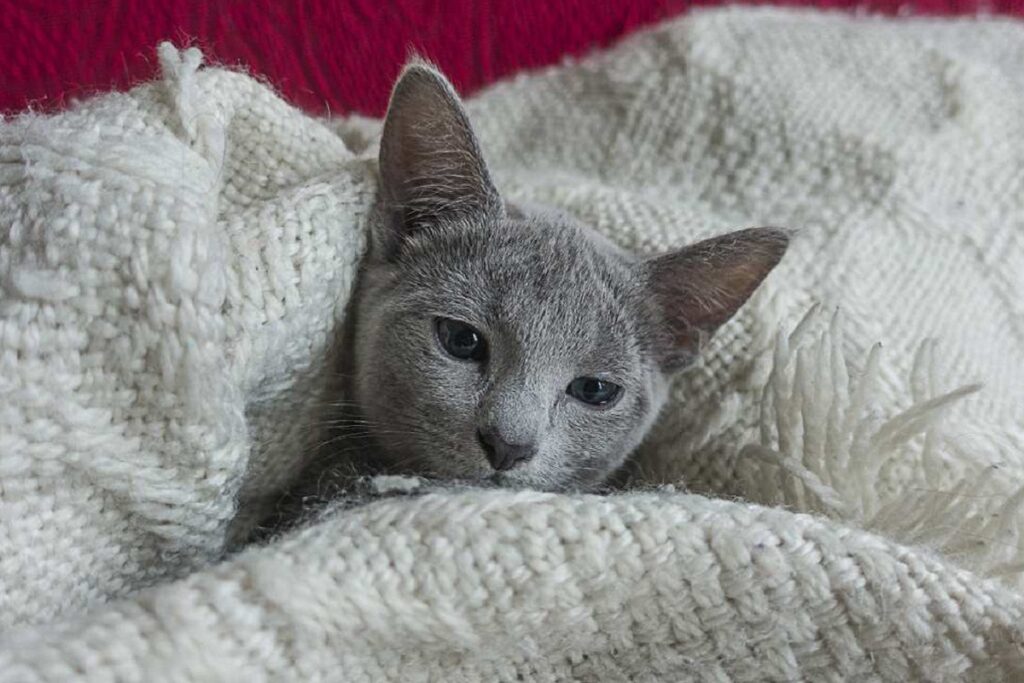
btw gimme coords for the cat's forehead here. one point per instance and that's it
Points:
(546, 279)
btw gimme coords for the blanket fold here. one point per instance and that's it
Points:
(641, 586)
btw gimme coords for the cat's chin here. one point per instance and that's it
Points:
(525, 479)
(508, 481)
(525, 482)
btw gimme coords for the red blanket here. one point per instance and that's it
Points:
(337, 55)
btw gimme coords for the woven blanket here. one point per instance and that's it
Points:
(833, 494)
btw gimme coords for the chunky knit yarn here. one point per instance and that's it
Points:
(175, 262)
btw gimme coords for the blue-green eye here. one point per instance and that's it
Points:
(461, 340)
(594, 391)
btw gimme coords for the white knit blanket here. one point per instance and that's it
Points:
(175, 260)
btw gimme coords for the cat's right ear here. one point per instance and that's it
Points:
(431, 168)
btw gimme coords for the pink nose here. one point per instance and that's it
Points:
(501, 454)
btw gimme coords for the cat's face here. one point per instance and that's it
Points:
(521, 350)
(507, 333)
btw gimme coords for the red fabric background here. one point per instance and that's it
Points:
(340, 55)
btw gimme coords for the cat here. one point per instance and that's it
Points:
(495, 346)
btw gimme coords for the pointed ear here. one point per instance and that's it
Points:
(699, 287)
(431, 168)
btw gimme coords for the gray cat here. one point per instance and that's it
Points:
(489, 346)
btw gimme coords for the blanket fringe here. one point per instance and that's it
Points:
(824, 448)
(202, 127)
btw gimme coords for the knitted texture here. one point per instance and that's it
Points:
(176, 261)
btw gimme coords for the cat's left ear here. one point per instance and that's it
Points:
(697, 289)
(431, 168)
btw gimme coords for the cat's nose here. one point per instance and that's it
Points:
(501, 454)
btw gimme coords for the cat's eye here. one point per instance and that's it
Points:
(460, 340)
(594, 391)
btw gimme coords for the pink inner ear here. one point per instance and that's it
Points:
(700, 287)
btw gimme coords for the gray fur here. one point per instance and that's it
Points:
(554, 301)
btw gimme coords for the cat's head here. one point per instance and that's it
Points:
(520, 350)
